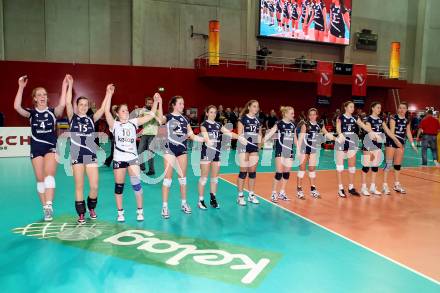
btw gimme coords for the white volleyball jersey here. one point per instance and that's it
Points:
(125, 140)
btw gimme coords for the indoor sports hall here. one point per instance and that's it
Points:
(220, 145)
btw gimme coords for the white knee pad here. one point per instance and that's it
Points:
(40, 187)
(214, 180)
(167, 182)
(301, 174)
(352, 170)
(339, 168)
(182, 181)
(49, 182)
(312, 174)
(203, 181)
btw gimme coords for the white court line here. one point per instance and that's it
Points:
(344, 237)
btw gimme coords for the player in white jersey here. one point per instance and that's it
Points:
(42, 120)
(125, 155)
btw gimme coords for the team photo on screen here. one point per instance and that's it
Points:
(326, 21)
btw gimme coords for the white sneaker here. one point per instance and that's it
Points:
(374, 191)
(315, 193)
(436, 163)
(201, 205)
(185, 208)
(364, 191)
(283, 196)
(253, 199)
(398, 188)
(48, 213)
(386, 189)
(165, 213)
(274, 197)
(121, 217)
(300, 193)
(140, 214)
(241, 201)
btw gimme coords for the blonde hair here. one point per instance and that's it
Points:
(285, 109)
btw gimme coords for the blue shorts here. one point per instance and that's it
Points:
(85, 159)
(175, 150)
(209, 155)
(249, 148)
(124, 164)
(42, 149)
(390, 143)
(378, 146)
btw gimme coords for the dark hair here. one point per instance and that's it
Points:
(209, 108)
(342, 4)
(173, 103)
(82, 98)
(246, 107)
(373, 104)
(429, 112)
(118, 107)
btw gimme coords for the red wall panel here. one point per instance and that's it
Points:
(133, 83)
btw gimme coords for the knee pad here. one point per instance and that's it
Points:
(182, 181)
(167, 182)
(203, 181)
(375, 169)
(252, 175)
(339, 168)
(365, 169)
(278, 176)
(301, 174)
(135, 183)
(49, 182)
(312, 174)
(80, 207)
(242, 175)
(388, 164)
(286, 175)
(40, 187)
(214, 180)
(352, 170)
(119, 188)
(92, 202)
(397, 167)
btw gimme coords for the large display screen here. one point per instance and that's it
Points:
(324, 21)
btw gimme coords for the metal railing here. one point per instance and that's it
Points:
(281, 64)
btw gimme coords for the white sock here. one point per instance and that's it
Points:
(183, 201)
(251, 193)
(364, 185)
(282, 191)
(373, 186)
(341, 186)
(165, 204)
(201, 198)
(350, 186)
(396, 183)
(48, 203)
(240, 193)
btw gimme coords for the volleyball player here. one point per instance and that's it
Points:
(310, 138)
(279, 11)
(347, 145)
(372, 147)
(305, 17)
(83, 151)
(319, 16)
(125, 156)
(43, 120)
(400, 126)
(210, 155)
(285, 141)
(287, 10)
(294, 16)
(339, 20)
(175, 154)
(250, 128)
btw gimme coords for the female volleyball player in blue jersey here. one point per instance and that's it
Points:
(175, 153)
(347, 145)
(210, 154)
(43, 120)
(339, 22)
(250, 128)
(285, 142)
(319, 18)
(400, 126)
(125, 155)
(372, 147)
(83, 150)
(309, 144)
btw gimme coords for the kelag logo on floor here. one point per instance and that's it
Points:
(220, 261)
